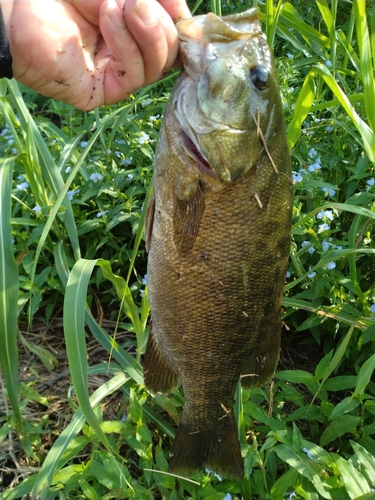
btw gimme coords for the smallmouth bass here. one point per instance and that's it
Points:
(218, 235)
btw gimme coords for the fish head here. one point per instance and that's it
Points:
(228, 98)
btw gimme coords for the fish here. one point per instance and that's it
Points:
(218, 232)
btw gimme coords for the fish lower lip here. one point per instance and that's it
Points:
(202, 163)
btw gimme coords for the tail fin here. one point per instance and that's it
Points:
(158, 372)
(216, 449)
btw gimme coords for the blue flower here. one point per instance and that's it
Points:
(154, 118)
(323, 227)
(290, 495)
(96, 177)
(372, 308)
(120, 141)
(142, 292)
(325, 214)
(22, 186)
(84, 144)
(228, 496)
(72, 193)
(329, 128)
(326, 245)
(328, 191)
(311, 274)
(311, 249)
(308, 453)
(297, 177)
(127, 162)
(37, 209)
(290, 56)
(130, 176)
(313, 153)
(68, 169)
(370, 183)
(314, 166)
(100, 214)
(328, 63)
(144, 279)
(331, 265)
(287, 275)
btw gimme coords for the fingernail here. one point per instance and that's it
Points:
(146, 11)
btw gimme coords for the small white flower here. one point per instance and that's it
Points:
(130, 176)
(68, 170)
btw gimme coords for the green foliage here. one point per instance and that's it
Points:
(78, 184)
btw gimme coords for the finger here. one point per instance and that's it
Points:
(89, 9)
(155, 34)
(118, 55)
(177, 9)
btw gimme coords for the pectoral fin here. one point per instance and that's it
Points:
(149, 220)
(189, 208)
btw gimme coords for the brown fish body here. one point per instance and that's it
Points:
(218, 253)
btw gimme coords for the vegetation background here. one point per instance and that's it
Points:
(72, 190)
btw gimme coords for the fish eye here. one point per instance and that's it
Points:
(259, 77)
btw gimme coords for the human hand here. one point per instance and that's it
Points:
(91, 52)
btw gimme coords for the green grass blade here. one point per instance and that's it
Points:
(364, 376)
(335, 361)
(367, 69)
(355, 484)
(367, 134)
(302, 108)
(8, 291)
(74, 319)
(127, 362)
(54, 458)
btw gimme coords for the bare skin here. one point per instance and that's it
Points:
(91, 52)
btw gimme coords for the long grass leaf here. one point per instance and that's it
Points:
(8, 291)
(302, 108)
(74, 319)
(367, 134)
(367, 69)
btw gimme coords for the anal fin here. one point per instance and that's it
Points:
(159, 375)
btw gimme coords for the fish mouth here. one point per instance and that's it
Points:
(193, 152)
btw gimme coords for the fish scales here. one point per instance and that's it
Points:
(218, 234)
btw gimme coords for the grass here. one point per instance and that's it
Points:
(73, 186)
